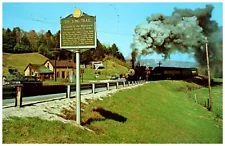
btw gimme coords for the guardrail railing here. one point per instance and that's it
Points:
(16, 91)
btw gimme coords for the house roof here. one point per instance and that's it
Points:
(33, 66)
(62, 63)
(39, 68)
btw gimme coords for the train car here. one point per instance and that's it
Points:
(173, 73)
(189, 72)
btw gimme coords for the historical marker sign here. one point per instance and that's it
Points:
(78, 32)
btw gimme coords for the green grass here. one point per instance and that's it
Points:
(202, 96)
(157, 112)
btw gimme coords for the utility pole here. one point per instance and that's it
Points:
(106, 68)
(55, 63)
(209, 79)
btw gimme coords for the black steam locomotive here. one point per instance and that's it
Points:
(161, 73)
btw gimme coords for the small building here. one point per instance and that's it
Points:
(38, 70)
(64, 68)
(97, 65)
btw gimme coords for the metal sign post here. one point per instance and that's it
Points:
(78, 32)
(78, 115)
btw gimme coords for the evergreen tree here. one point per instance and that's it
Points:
(57, 39)
(49, 39)
(114, 49)
(9, 41)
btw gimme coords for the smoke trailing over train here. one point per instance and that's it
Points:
(184, 32)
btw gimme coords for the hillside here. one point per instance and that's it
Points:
(20, 61)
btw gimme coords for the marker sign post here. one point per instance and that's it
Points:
(78, 32)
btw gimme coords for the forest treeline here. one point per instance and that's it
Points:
(20, 41)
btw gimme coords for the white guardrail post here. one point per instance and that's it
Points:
(18, 97)
(68, 91)
(123, 83)
(108, 86)
(117, 85)
(93, 88)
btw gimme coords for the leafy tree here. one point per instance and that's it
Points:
(17, 48)
(26, 45)
(43, 49)
(33, 38)
(64, 54)
(86, 56)
(19, 41)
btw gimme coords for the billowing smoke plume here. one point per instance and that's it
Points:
(184, 31)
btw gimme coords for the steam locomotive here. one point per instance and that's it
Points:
(161, 73)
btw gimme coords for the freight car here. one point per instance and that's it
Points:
(173, 73)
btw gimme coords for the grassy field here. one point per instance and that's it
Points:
(157, 112)
(201, 96)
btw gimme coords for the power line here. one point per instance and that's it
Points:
(30, 18)
(114, 33)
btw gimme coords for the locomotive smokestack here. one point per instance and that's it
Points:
(133, 57)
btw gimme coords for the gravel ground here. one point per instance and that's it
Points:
(50, 109)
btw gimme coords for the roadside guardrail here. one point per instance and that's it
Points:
(16, 90)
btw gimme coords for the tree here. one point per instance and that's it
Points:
(42, 49)
(120, 56)
(99, 53)
(49, 39)
(57, 39)
(9, 41)
(87, 56)
(33, 38)
(113, 50)
(18, 34)
(17, 48)
(26, 45)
